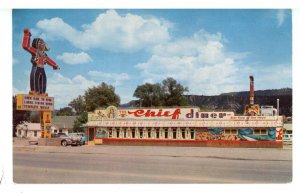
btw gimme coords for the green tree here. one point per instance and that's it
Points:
(34, 117)
(173, 93)
(66, 111)
(149, 95)
(78, 105)
(80, 120)
(168, 93)
(101, 96)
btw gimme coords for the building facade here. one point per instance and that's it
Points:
(33, 130)
(60, 124)
(186, 126)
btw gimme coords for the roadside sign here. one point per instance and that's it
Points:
(26, 102)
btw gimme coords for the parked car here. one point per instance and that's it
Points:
(81, 136)
(67, 140)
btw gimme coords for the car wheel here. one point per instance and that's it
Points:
(64, 143)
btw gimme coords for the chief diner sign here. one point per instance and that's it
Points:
(112, 112)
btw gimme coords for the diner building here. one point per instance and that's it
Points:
(182, 126)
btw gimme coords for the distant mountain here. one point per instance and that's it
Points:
(270, 92)
(236, 101)
(129, 104)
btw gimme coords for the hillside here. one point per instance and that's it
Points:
(270, 92)
(236, 101)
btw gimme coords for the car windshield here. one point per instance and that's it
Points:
(62, 135)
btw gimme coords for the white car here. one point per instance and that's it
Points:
(78, 136)
(68, 140)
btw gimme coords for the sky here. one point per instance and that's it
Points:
(210, 51)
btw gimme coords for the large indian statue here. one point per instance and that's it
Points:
(38, 48)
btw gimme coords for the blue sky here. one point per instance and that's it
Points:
(210, 51)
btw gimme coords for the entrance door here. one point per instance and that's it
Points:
(91, 134)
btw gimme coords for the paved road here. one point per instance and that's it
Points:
(125, 164)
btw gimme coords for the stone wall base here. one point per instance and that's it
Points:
(193, 143)
(49, 142)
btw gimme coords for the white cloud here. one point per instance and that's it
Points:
(66, 89)
(75, 58)
(112, 78)
(265, 76)
(110, 31)
(200, 62)
(281, 15)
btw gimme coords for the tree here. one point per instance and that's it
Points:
(78, 105)
(66, 111)
(149, 94)
(80, 120)
(18, 116)
(34, 117)
(101, 96)
(173, 93)
(169, 93)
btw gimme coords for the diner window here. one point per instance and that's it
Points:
(149, 132)
(118, 133)
(166, 133)
(60, 130)
(141, 133)
(157, 133)
(230, 131)
(263, 132)
(192, 133)
(288, 132)
(125, 132)
(55, 130)
(174, 133)
(183, 133)
(260, 131)
(133, 133)
(110, 132)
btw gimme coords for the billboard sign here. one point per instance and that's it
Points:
(28, 102)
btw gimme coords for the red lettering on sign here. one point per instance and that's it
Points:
(151, 113)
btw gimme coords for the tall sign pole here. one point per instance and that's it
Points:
(37, 99)
(252, 109)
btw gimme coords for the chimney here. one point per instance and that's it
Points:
(251, 90)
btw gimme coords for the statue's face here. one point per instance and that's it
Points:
(42, 46)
